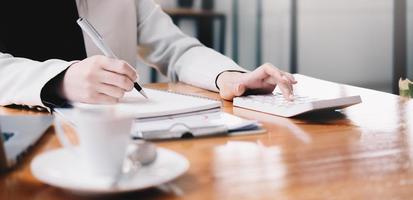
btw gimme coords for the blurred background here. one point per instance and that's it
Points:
(367, 43)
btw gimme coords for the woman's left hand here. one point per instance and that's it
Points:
(262, 80)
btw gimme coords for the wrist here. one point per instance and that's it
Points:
(64, 79)
(51, 94)
(227, 76)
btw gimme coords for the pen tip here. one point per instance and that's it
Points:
(144, 94)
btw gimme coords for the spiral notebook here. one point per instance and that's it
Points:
(163, 104)
(160, 104)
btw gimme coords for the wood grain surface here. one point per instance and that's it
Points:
(362, 152)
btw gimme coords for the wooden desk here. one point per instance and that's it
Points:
(362, 153)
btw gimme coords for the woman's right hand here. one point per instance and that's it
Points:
(98, 80)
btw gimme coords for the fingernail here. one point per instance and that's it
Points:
(239, 89)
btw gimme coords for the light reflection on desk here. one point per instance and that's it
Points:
(257, 166)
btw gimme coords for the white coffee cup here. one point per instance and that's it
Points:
(103, 138)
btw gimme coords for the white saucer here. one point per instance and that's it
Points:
(59, 168)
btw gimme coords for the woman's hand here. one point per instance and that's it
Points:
(263, 80)
(98, 80)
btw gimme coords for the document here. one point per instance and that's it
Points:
(199, 125)
(159, 104)
(168, 115)
(163, 103)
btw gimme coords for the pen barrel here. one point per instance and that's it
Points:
(106, 50)
(96, 38)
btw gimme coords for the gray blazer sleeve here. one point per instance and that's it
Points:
(174, 53)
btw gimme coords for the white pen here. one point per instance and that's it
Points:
(100, 43)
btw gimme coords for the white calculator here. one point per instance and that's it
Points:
(276, 104)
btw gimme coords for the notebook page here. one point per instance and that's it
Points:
(162, 103)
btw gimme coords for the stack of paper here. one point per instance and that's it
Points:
(199, 125)
(171, 115)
